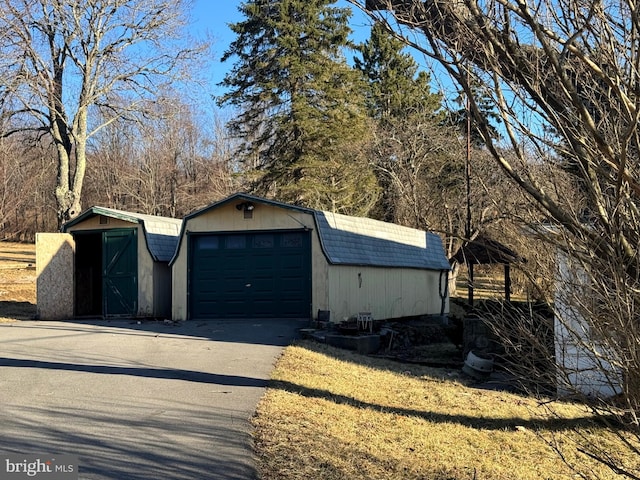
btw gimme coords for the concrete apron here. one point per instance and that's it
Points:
(138, 401)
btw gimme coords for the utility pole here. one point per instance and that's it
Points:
(468, 180)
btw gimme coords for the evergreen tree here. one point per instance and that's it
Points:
(413, 152)
(397, 88)
(302, 120)
(458, 118)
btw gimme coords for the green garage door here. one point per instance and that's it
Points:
(245, 275)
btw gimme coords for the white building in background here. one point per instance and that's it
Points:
(584, 364)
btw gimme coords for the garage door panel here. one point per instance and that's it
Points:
(259, 274)
(290, 285)
(261, 286)
(289, 309)
(235, 242)
(293, 239)
(261, 266)
(205, 293)
(233, 307)
(235, 286)
(263, 241)
(231, 278)
(291, 259)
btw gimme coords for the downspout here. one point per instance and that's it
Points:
(444, 293)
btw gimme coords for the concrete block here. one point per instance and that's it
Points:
(363, 344)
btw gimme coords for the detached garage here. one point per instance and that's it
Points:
(107, 263)
(249, 257)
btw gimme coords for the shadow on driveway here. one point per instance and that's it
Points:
(278, 332)
(138, 400)
(163, 373)
(152, 440)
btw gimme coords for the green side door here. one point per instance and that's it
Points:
(120, 272)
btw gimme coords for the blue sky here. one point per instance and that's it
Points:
(213, 16)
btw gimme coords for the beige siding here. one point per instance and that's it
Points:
(179, 282)
(385, 292)
(54, 273)
(227, 218)
(146, 306)
(265, 217)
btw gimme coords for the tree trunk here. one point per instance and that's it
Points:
(68, 191)
(68, 205)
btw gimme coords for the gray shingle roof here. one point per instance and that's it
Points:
(363, 241)
(161, 233)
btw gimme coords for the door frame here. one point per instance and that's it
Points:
(190, 240)
(103, 233)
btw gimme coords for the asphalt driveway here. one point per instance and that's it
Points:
(138, 401)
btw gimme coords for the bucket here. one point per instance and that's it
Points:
(478, 365)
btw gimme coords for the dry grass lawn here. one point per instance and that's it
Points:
(17, 281)
(332, 414)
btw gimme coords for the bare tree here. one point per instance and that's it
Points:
(147, 167)
(15, 184)
(563, 76)
(61, 60)
(421, 163)
(26, 180)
